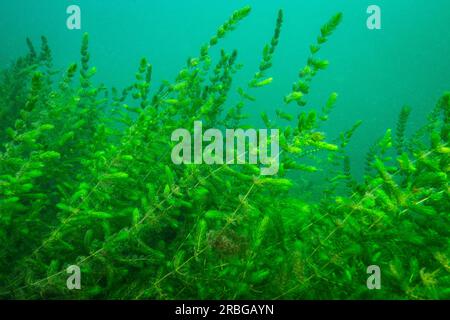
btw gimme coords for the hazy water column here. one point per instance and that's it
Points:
(374, 72)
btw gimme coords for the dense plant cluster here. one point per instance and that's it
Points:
(86, 179)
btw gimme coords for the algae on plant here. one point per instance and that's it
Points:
(86, 179)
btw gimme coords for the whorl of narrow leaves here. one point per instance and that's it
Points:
(347, 135)
(85, 52)
(301, 88)
(400, 129)
(326, 110)
(330, 27)
(36, 85)
(268, 53)
(85, 57)
(142, 86)
(31, 50)
(225, 28)
(46, 53)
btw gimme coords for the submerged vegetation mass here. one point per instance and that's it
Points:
(86, 179)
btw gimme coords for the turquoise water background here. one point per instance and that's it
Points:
(374, 72)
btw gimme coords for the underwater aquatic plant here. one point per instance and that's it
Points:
(77, 189)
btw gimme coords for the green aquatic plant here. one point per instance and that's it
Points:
(86, 179)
